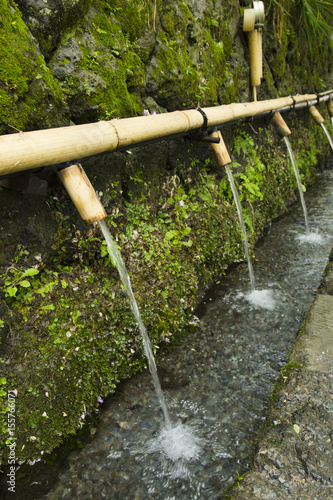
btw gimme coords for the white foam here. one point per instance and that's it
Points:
(261, 298)
(179, 443)
(312, 237)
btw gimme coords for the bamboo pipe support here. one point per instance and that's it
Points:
(82, 193)
(316, 115)
(330, 107)
(282, 128)
(220, 150)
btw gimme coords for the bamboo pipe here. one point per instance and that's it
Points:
(282, 128)
(255, 57)
(316, 115)
(330, 107)
(220, 150)
(82, 193)
(260, 53)
(249, 20)
(27, 150)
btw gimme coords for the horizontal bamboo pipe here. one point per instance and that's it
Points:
(249, 20)
(27, 150)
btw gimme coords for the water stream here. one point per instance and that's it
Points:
(299, 183)
(179, 441)
(217, 382)
(242, 224)
(327, 134)
(119, 263)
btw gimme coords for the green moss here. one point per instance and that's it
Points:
(109, 77)
(28, 94)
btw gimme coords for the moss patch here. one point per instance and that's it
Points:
(29, 97)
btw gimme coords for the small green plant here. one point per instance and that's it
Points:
(3, 407)
(176, 237)
(252, 177)
(18, 280)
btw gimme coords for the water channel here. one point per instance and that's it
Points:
(217, 382)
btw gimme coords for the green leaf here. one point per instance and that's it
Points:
(49, 307)
(30, 272)
(64, 283)
(171, 234)
(25, 283)
(104, 249)
(11, 291)
(296, 428)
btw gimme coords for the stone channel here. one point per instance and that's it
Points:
(218, 382)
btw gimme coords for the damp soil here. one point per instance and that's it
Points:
(217, 381)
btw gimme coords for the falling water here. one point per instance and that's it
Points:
(327, 133)
(119, 263)
(241, 220)
(299, 184)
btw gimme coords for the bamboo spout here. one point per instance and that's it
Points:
(316, 115)
(330, 107)
(82, 194)
(220, 150)
(282, 128)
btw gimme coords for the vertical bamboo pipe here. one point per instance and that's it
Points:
(82, 193)
(260, 52)
(316, 115)
(282, 128)
(255, 60)
(220, 150)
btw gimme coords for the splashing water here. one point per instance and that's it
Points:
(299, 184)
(241, 221)
(261, 298)
(119, 263)
(312, 237)
(327, 134)
(178, 444)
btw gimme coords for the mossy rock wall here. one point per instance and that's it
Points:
(67, 332)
